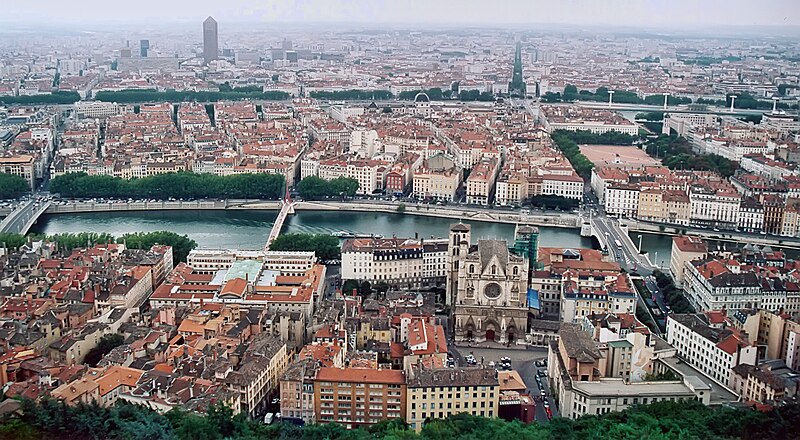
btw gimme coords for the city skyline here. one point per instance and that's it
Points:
(604, 13)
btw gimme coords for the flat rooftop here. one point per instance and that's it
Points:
(244, 269)
(719, 394)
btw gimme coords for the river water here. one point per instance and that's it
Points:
(236, 229)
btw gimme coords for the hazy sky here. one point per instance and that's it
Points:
(650, 13)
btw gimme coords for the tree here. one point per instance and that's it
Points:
(607, 138)
(175, 185)
(316, 188)
(326, 247)
(69, 241)
(60, 97)
(677, 153)
(12, 186)
(353, 94)
(11, 241)
(554, 202)
(690, 419)
(349, 286)
(401, 208)
(570, 92)
(151, 95)
(581, 163)
(181, 244)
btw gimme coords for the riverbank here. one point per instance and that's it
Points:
(455, 213)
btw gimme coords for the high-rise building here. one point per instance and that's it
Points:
(144, 46)
(210, 40)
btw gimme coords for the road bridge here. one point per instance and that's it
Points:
(287, 209)
(24, 217)
(608, 233)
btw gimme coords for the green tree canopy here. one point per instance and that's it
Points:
(325, 246)
(662, 420)
(130, 96)
(676, 153)
(69, 241)
(354, 94)
(177, 185)
(315, 188)
(60, 97)
(181, 244)
(12, 241)
(12, 186)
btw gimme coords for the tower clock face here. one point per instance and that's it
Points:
(492, 291)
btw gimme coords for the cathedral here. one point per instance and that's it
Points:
(487, 289)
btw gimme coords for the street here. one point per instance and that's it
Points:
(17, 221)
(521, 360)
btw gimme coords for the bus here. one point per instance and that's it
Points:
(616, 242)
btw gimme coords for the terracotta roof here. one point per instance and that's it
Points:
(358, 375)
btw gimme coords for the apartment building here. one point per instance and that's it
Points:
(297, 391)
(511, 189)
(21, 165)
(395, 261)
(575, 282)
(685, 249)
(622, 199)
(354, 397)
(768, 382)
(437, 178)
(777, 334)
(575, 118)
(569, 186)
(714, 207)
(97, 109)
(705, 342)
(259, 372)
(441, 392)
(480, 183)
(577, 383)
(713, 285)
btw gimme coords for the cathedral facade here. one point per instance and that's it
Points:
(487, 289)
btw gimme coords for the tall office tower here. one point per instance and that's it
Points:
(210, 40)
(144, 46)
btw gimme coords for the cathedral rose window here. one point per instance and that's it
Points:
(492, 291)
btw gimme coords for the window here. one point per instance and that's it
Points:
(471, 268)
(494, 269)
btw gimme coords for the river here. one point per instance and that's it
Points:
(236, 229)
